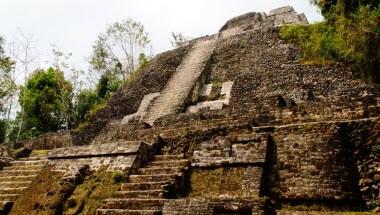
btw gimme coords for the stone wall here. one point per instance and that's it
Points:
(238, 181)
(213, 206)
(264, 69)
(366, 138)
(281, 16)
(48, 141)
(315, 161)
(335, 162)
(115, 156)
(235, 149)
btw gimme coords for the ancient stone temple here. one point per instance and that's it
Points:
(230, 123)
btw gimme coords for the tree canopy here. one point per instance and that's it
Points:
(116, 51)
(45, 101)
(7, 85)
(328, 7)
(350, 34)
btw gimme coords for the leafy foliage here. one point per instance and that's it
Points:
(116, 52)
(7, 85)
(328, 7)
(90, 101)
(350, 34)
(46, 102)
(86, 100)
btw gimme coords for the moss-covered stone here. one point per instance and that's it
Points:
(217, 182)
(44, 196)
(88, 196)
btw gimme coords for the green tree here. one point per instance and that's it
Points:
(45, 100)
(86, 100)
(7, 85)
(347, 7)
(117, 50)
(8, 88)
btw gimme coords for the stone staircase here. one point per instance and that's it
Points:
(180, 85)
(145, 192)
(15, 178)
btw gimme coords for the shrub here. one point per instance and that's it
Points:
(22, 152)
(118, 177)
(353, 39)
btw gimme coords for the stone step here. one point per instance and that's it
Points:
(24, 163)
(44, 154)
(9, 197)
(17, 178)
(14, 190)
(18, 172)
(168, 157)
(179, 86)
(127, 212)
(34, 158)
(169, 163)
(145, 185)
(134, 204)
(139, 194)
(153, 178)
(31, 167)
(15, 184)
(160, 170)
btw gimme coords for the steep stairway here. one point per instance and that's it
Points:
(15, 178)
(145, 192)
(179, 86)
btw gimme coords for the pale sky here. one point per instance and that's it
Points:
(73, 25)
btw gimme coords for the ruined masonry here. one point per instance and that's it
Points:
(17, 177)
(230, 123)
(179, 86)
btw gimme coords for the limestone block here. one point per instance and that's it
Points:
(212, 153)
(147, 100)
(287, 18)
(248, 153)
(281, 10)
(217, 104)
(120, 147)
(248, 149)
(206, 90)
(212, 105)
(251, 181)
(226, 91)
(116, 156)
(230, 32)
(200, 206)
(314, 161)
(116, 163)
